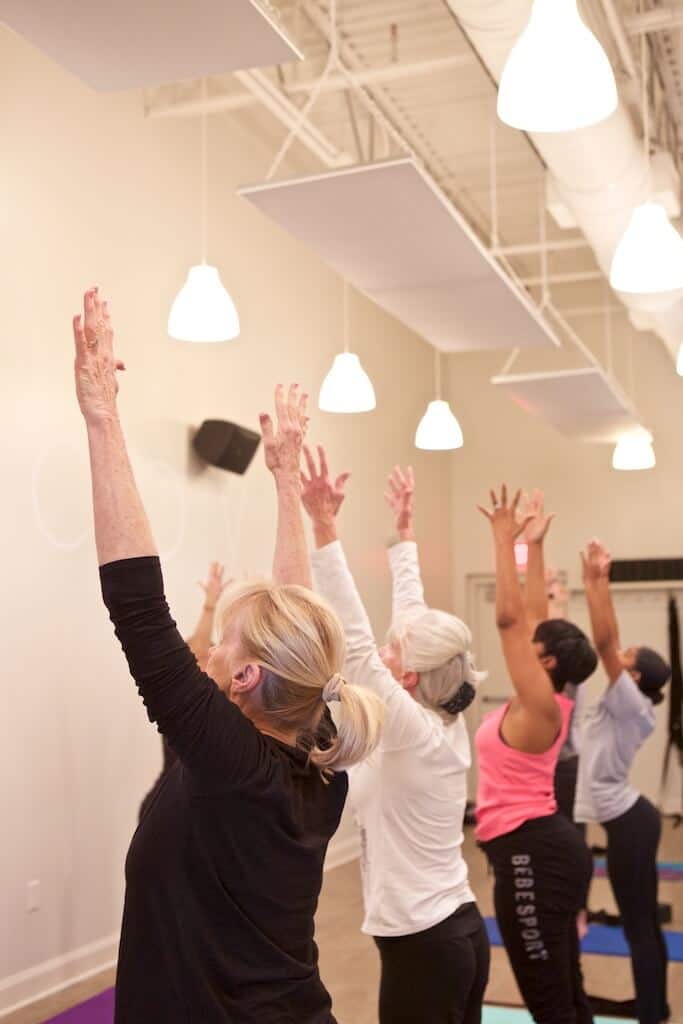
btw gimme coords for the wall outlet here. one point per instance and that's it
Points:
(32, 896)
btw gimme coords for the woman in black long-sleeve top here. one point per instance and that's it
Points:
(224, 872)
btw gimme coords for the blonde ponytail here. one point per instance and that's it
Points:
(298, 640)
(359, 727)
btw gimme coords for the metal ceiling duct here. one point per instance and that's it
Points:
(600, 172)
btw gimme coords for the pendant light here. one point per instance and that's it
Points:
(649, 257)
(634, 451)
(438, 429)
(203, 310)
(347, 387)
(557, 77)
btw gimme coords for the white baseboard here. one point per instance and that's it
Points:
(345, 850)
(52, 976)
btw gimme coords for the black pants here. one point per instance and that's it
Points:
(438, 975)
(632, 842)
(542, 873)
(566, 775)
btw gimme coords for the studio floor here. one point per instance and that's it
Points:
(349, 963)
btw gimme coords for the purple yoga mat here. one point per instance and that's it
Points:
(99, 1010)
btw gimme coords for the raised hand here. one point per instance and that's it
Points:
(505, 522)
(537, 522)
(596, 561)
(214, 585)
(321, 497)
(399, 497)
(283, 448)
(95, 364)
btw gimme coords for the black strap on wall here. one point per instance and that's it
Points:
(675, 732)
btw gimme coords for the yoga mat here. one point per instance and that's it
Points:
(668, 870)
(98, 1010)
(511, 1015)
(603, 940)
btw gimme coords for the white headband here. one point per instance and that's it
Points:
(332, 688)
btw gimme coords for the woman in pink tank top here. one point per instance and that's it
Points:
(541, 864)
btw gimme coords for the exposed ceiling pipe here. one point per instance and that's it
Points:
(600, 172)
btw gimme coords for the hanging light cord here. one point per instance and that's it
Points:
(204, 174)
(646, 104)
(437, 372)
(346, 315)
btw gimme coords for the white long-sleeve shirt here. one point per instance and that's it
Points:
(409, 797)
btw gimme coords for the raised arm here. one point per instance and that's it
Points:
(534, 533)
(201, 638)
(208, 732)
(122, 529)
(283, 457)
(534, 718)
(407, 591)
(405, 722)
(596, 561)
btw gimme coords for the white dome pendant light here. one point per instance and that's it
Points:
(203, 310)
(634, 451)
(557, 77)
(649, 257)
(347, 387)
(438, 430)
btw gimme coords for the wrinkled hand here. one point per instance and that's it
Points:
(321, 498)
(503, 517)
(214, 585)
(283, 449)
(596, 561)
(399, 497)
(95, 364)
(532, 509)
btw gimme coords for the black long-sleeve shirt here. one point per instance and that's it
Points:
(224, 871)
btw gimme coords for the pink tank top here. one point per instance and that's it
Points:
(514, 787)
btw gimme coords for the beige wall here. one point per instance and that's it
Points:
(94, 193)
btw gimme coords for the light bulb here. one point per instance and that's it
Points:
(634, 451)
(203, 310)
(347, 387)
(438, 429)
(557, 77)
(649, 257)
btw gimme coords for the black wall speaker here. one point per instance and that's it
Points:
(226, 445)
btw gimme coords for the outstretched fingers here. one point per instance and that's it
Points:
(266, 425)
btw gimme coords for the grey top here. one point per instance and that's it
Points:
(613, 731)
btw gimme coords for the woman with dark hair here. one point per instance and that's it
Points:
(613, 731)
(541, 864)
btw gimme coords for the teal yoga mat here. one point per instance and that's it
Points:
(511, 1015)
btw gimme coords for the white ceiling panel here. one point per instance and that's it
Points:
(128, 45)
(585, 404)
(391, 232)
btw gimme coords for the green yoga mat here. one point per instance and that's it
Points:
(511, 1015)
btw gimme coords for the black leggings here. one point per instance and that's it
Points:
(438, 975)
(566, 775)
(542, 873)
(632, 842)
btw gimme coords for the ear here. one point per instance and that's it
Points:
(247, 679)
(410, 680)
(549, 662)
(635, 675)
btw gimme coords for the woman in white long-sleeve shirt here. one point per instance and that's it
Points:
(409, 797)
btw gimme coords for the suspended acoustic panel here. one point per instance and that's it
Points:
(394, 236)
(582, 404)
(128, 44)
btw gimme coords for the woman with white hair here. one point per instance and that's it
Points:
(409, 796)
(224, 872)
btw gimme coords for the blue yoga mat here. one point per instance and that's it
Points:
(510, 1015)
(604, 940)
